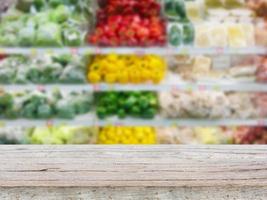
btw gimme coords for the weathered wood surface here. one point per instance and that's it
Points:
(135, 193)
(134, 166)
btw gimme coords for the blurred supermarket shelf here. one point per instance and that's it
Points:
(89, 120)
(226, 85)
(183, 50)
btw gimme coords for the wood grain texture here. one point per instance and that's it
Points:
(135, 166)
(135, 193)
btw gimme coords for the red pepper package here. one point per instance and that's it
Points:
(250, 135)
(144, 8)
(129, 23)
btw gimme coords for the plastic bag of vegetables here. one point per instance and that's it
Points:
(174, 9)
(49, 34)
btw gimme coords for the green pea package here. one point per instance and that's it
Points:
(45, 105)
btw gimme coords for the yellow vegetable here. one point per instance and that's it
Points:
(113, 68)
(127, 135)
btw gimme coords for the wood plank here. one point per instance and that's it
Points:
(134, 166)
(135, 193)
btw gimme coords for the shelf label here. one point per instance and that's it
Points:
(41, 88)
(261, 122)
(118, 124)
(97, 50)
(74, 51)
(202, 88)
(96, 88)
(140, 52)
(49, 123)
(219, 50)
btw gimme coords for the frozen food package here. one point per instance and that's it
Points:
(211, 35)
(195, 10)
(261, 33)
(210, 105)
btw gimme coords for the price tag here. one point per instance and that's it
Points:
(49, 123)
(118, 124)
(221, 62)
(219, 50)
(74, 51)
(140, 52)
(97, 50)
(261, 122)
(202, 88)
(96, 88)
(41, 88)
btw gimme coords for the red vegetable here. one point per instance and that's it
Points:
(129, 22)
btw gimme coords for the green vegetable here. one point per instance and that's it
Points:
(121, 113)
(24, 5)
(101, 112)
(55, 3)
(126, 103)
(27, 36)
(175, 9)
(175, 35)
(39, 4)
(29, 111)
(60, 14)
(72, 37)
(188, 33)
(149, 113)
(64, 110)
(6, 102)
(49, 34)
(62, 59)
(44, 111)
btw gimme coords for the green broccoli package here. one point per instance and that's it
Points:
(45, 105)
(69, 69)
(174, 9)
(46, 23)
(180, 34)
